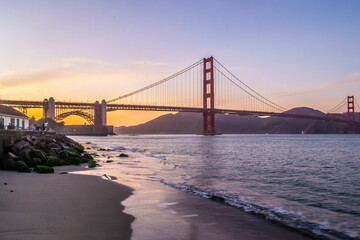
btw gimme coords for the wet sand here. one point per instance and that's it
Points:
(62, 206)
(78, 206)
(164, 213)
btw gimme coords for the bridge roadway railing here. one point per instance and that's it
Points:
(114, 107)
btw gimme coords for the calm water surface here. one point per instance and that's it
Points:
(310, 182)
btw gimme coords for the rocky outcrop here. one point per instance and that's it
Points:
(42, 153)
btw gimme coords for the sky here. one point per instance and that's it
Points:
(294, 52)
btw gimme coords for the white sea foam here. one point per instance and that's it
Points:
(190, 215)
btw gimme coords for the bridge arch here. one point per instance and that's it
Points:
(87, 116)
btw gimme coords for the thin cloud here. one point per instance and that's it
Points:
(15, 79)
(352, 79)
(73, 61)
(69, 68)
(150, 63)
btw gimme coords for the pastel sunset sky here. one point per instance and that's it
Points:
(294, 52)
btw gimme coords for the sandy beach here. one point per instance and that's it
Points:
(72, 206)
(62, 206)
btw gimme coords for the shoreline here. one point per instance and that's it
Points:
(147, 210)
(178, 214)
(62, 206)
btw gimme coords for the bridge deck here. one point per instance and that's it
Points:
(115, 107)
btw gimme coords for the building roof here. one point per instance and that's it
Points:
(11, 111)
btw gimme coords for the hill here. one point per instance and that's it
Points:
(191, 123)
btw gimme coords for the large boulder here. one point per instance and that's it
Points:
(17, 147)
(88, 156)
(25, 155)
(33, 162)
(91, 164)
(43, 169)
(27, 138)
(9, 161)
(38, 153)
(22, 167)
(9, 142)
(40, 144)
(73, 160)
(79, 148)
(54, 146)
(55, 161)
(13, 156)
(63, 154)
(37, 161)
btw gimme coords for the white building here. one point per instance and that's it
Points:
(11, 117)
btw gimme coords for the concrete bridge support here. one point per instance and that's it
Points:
(49, 108)
(103, 112)
(100, 113)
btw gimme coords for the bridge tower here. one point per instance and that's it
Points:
(208, 97)
(103, 112)
(351, 114)
(100, 113)
(49, 108)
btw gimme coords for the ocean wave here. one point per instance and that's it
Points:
(293, 219)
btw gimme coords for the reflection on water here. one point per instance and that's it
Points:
(306, 181)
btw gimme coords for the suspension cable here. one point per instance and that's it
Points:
(338, 106)
(159, 82)
(278, 106)
(248, 91)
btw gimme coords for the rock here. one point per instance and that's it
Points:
(55, 161)
(17, 147)
(79, 148)
(217, 198)
(123, 155)
(73, 160)
(22, 167)
(52, 152)
(55, 146)
(25, 155)
(28, 139)
(91, 164)
(109, 161)
(8, 162)
(102, 149)
(38, 153)
(40, 144)
(9, 142)
(63, 145)
(88, 156)
(43, 169)
(37, 161)
(73, 153)
(35, 143)
(13, 156)
(63, 154)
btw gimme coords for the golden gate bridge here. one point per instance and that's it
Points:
(205, 87)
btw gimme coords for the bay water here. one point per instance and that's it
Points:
(309, 182)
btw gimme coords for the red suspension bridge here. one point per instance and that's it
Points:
(205, 87)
